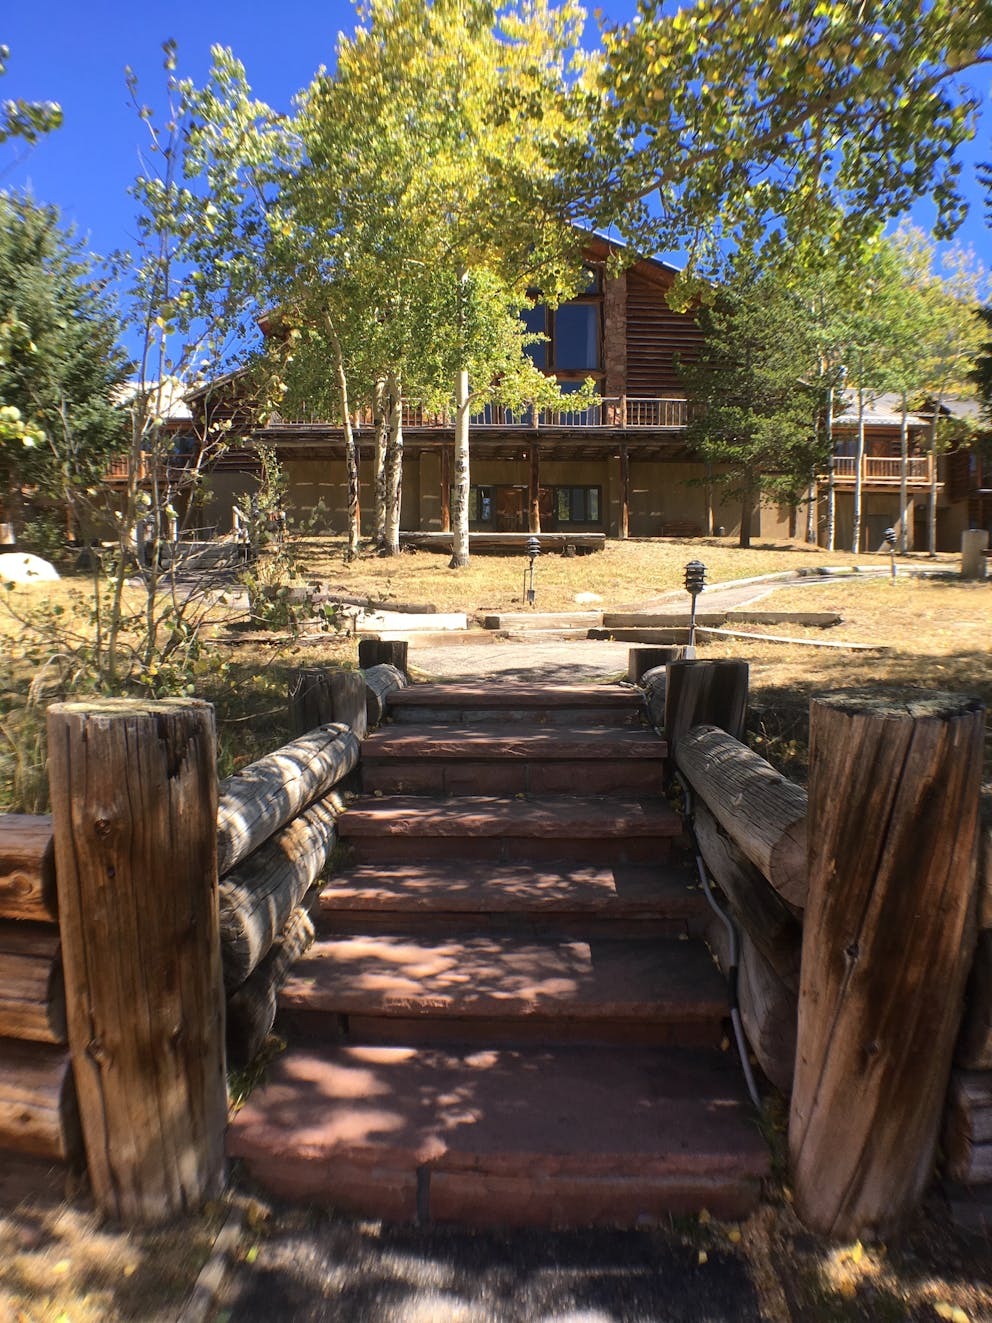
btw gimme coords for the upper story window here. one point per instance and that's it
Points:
(574, 342)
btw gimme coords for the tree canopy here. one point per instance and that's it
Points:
(739, 117)
(60, 364)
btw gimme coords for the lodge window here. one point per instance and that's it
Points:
(574, 331)
(577, 505)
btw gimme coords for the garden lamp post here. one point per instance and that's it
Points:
(533, 551)
(890, 546)
(695, 582)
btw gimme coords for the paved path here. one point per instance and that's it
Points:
(569, 660)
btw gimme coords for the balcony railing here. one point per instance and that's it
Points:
(642, 412)
(885, 470)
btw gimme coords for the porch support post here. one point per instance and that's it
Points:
(888, 937)
(624, 492)
(534, 492)
(445, 487)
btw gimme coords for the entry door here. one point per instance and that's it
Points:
(510, 509)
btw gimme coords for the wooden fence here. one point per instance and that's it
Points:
(144, 923)
(149, 910)
(856, 905)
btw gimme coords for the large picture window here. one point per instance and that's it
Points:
(573, 331)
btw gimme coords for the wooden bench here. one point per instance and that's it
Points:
(680, 528)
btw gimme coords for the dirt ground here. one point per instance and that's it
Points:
(58, 1265)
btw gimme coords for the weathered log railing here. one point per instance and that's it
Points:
(856, 913)
(154, 899)
(856, 907)
(37, 1099)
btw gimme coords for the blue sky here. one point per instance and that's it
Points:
(76, 54)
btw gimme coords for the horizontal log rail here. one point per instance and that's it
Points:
(27, 867)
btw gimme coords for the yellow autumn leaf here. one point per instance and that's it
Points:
(703, 1257)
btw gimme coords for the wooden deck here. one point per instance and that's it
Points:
(508, 543)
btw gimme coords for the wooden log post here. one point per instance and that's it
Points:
(642, 659)
(310, 701)
(624, 522)
(380, 682)
(534, 489)
(887, 942)
(762, 812)
(134, 808)
(383, 652)
(348, 700)
(705, 693)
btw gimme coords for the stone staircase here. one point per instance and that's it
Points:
(508, 1017)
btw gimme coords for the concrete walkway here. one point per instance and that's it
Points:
(574, 660)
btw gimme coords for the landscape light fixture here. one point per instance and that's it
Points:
(533, 551)
(695, 582)
(890, 546)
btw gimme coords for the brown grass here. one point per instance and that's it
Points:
(623, 573)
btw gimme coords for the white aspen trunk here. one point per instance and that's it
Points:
(811, 509)
(381, 426)
(459, 507)
(858, 465)
(831, 466)
(903, 473)
(350, 449)
(394, 466)
(932, 501)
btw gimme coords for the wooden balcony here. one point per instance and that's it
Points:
(611, 413)
(883, 472)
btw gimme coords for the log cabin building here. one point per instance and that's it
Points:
(622, 468)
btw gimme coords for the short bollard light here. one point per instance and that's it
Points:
(890, 546)
(695, 582)
(533, 551)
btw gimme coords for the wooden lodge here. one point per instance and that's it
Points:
(622, 468)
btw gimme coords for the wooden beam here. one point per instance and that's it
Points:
(763, 813)
(38, 1113)
(134, 808)
(624, 492)
(257, 801)
(32, 996)
(887, 940)
(711, 693)
(534, 489)
(257, 897)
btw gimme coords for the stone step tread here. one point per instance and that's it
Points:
(539, 742)
(557, 1136)
(484, 888)
(473, 977)
(483, 815)
(527, 620)
(518, 694)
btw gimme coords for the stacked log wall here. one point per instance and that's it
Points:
(38, 1111)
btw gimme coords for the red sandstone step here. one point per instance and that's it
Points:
(490, 760)
(451, 891)
(549, 705)
(385, 988)
(410, 829)
(535, 1137)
